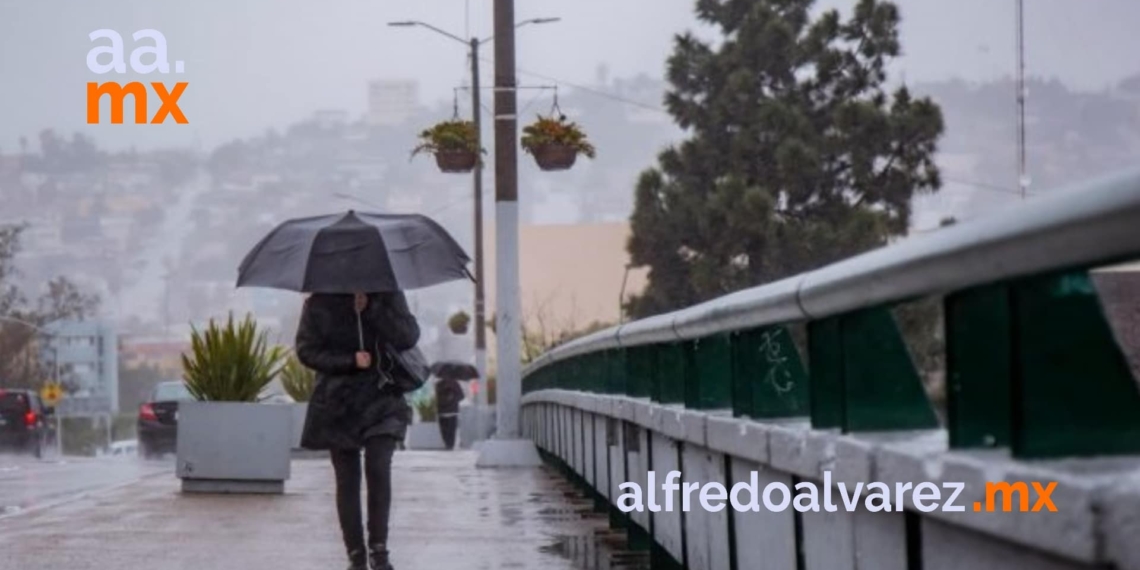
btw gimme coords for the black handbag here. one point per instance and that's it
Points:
(406, 370)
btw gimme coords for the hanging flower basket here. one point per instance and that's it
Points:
(555, 142)
(555, 156)
(458, 322)
(454, 144)
(456, 161)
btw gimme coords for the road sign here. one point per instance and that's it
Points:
(51, 394)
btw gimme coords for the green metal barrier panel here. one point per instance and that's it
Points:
(639, 364)
(825, 358)
(978, 367)
(881, 389)
(671, 365)
(712, 387)
(769, 380)
(1073, 391)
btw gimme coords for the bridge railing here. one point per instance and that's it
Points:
(1033, 371)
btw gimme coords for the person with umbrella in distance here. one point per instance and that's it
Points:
(354, 326)
(448, 395)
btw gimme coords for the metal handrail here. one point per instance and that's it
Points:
(1083, 225)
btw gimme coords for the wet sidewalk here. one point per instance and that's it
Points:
(447, 514)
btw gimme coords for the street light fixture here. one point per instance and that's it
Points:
(476, 107)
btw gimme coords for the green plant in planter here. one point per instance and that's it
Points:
(297, 379)
(458, 322)
(556, 132)
(230, 362)
(455, 135)
(426, 408)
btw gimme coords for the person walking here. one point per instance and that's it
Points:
(341, 336)
(448, 395)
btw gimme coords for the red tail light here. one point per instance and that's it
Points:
(146, 412)
(30, 419)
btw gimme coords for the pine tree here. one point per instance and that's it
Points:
(797, 155)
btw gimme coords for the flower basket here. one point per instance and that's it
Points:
(456, 161)
(454, 144)
(555, 156)
(458, 322)
(555, 142)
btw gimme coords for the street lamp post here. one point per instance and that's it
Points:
(508, 449)
(476, 110)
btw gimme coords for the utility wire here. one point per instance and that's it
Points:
(591, 90)
(983, 186)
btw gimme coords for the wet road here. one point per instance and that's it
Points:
(446, 514)
(29, 484)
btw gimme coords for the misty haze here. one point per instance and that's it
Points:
(119, 241)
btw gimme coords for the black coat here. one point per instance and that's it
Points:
(347, 405)
(448, 395)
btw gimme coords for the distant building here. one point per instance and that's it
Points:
(580, 284)
(162, 353)
(330, 118)
(390, 102)
(87, 356)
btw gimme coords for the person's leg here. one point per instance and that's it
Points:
(378, 472)
(448, 425)
(346, 464)
(442, 423)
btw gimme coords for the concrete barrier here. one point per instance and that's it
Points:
(615, 439)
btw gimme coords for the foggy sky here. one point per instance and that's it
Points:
(253, 64)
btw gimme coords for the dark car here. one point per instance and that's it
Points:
(158, 419)
(24, 422)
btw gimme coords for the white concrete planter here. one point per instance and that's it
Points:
(424, 436)
(299, 411)
(230, 447)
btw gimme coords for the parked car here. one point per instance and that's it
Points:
(158, 419)
(24, 422)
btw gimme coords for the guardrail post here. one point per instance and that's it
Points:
(978, 367)
(769, 380)
(1073, 390)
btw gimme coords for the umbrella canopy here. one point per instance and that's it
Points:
(357, 251)
(454, 370)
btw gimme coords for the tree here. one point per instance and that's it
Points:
(797, 156)
(64, 301)
(20, 364)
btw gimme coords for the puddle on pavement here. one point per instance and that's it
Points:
(589, 543)
(600, 550)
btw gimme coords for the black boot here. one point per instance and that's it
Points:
(378, 558)
(357, 560)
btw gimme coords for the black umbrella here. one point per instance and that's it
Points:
(357, 251)
(455, 370)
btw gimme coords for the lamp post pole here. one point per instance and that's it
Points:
(508, 386)
(504, 33)
(480, 306)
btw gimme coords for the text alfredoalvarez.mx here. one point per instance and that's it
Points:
(144, 59)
